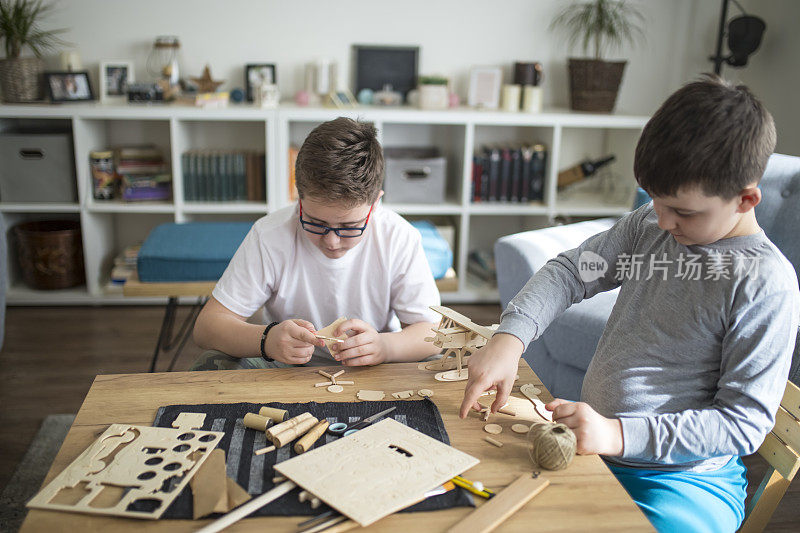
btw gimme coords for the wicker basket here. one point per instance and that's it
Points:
(594, 84)
(19, 79)
(50, 253)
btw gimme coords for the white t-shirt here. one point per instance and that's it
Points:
(385, 280)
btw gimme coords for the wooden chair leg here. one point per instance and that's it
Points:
(764, 502)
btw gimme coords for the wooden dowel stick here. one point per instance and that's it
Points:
(283, 426)
(311, 437)
(339, 373)
(248, 508)
(345, 382)
(262, 451)
(285, 437)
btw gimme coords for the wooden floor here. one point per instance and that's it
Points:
(51, 356)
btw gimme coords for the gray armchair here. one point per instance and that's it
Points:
(562, 354)
(3, 276)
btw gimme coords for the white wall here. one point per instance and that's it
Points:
(452, 34)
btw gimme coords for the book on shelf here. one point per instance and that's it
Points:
(223, 176)
(509, 174)
(146, 187)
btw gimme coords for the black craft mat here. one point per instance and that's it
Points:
(255, 472)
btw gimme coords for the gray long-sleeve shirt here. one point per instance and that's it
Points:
(696, 352)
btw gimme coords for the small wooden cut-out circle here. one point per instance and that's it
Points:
(425, 393)
(335, 388)
(494, 429)
(520, 428)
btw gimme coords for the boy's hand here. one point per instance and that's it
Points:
(492, 367)
(292, 342)
(595, 433)
(365, 346)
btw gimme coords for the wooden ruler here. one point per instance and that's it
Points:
(496, 510)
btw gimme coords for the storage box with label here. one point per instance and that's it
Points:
(415, 175)
(37, 168)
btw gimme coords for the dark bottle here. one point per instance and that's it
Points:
(581, 171)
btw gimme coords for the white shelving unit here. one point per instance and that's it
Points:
(110, 226)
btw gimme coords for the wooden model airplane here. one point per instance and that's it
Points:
(458, 336)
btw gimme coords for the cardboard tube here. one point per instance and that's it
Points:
(311, 437)
(285, 437)
(254, 421)
(283, 426)
(277, 415)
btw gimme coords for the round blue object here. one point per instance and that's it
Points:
(365, 96)
(237, 96)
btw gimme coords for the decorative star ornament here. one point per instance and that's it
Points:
(206, 83)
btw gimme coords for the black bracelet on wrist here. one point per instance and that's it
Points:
(263, 339)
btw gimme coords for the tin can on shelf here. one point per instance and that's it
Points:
(104, 178)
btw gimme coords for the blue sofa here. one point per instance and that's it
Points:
(562, 354)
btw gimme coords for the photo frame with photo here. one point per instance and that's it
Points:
(484, 87)
(343, 99)
(115, 76)
(257, 74)
(69, 86)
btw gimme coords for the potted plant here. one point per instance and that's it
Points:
(19, 28)
(433, 92)
(602, 25)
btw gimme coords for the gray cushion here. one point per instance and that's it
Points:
(779, 211)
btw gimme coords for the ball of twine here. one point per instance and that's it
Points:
(552, 445)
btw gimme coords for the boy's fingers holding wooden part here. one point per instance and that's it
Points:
(302, 334)
(471, 394)
(503, 392)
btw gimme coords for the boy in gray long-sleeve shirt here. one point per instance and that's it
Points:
(693, 362)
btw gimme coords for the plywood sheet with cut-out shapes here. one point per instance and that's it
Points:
(376, 471)
(131, 471)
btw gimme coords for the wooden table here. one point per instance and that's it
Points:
(583, 497)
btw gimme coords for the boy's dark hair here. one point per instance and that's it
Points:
(710, 133)
(342, 161)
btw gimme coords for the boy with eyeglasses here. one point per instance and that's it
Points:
(336, 253)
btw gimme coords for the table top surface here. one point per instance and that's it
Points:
(584, 496)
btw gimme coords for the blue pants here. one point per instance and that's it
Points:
(688, 501)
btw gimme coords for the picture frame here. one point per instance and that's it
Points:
(257, 74)
(115, 76)
(484, 87)
(343, 99)
(69, 86)
(378, 66)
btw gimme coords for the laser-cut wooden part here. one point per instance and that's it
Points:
(486, 413)
(283, 426)
(328, 331)
(490, 440)
(250, 507)
(335, 388)
(324, 384)
(262, 451)
(303, 495)
(324, 374)
(458, 336)
(376, 471)
(531, 392)
(210, 487)
(332, 339)
(274, 414)
(506, 410)
(345, 382)
(254, 421)
(494, 429)
(425, 393)
(315, 502)
(452, 375)
(402, 395)
(442, 364)
(336, 375)
(285, 437)
(278, 479)
(236, 495)
(128, 464)
(520, 428)
(370, 395)
(504, 504)
(308, 440)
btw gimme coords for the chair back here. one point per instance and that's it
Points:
(780, 449)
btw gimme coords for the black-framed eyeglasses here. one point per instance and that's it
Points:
(321, 229)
